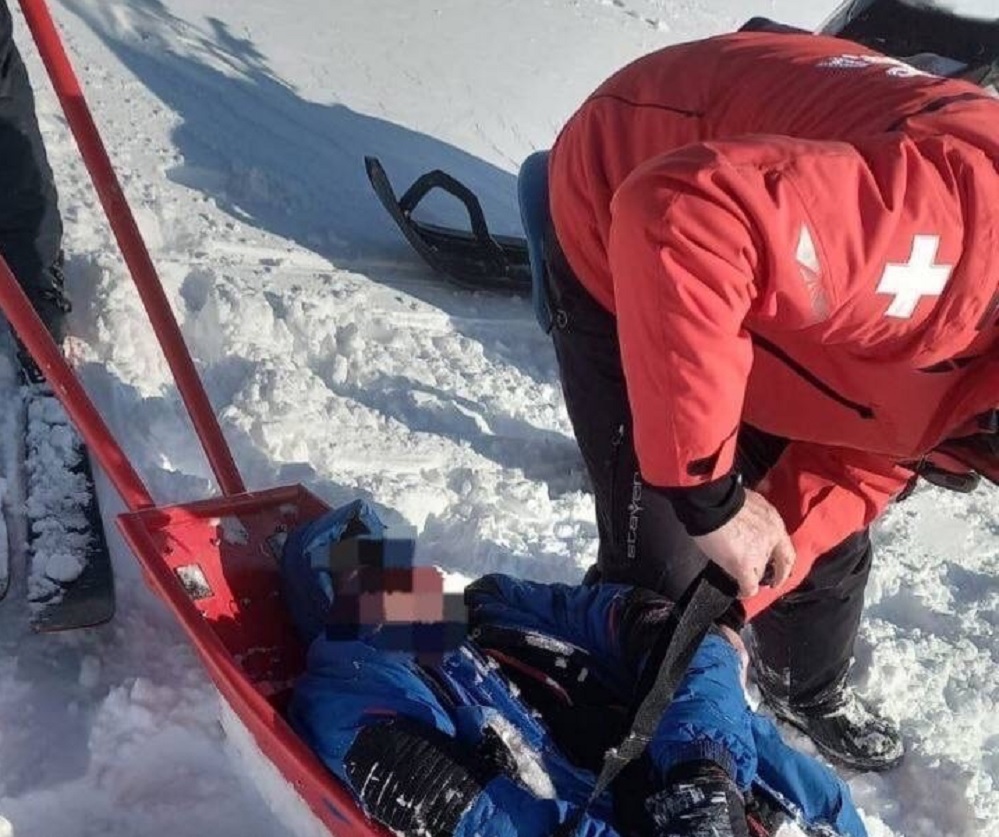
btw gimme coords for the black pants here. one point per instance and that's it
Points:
(30, 226)
(803, 643)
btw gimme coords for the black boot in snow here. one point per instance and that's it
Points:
(846, 729)
(699, 800)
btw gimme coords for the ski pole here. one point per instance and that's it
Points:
(132, 246)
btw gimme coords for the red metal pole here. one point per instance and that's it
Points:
(68, 390)
(132, 246)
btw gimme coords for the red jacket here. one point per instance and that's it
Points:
(798, 233)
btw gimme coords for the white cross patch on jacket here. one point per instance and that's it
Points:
(918, 277)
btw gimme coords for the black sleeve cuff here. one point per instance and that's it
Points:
(706, 507)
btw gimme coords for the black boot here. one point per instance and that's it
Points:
(846, 729)
(28, 370)
(699, 800)
(51, 305)
(50, 300)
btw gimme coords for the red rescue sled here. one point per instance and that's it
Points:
(214, 562)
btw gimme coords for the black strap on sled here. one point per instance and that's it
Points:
(706, 601)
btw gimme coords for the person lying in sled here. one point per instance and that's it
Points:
(434, 741)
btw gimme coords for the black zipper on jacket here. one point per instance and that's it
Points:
(935, 105)
(860, 409)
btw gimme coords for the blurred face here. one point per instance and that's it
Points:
(405, 607)
(397, 596)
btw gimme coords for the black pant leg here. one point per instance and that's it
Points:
(30, 226)
(803, 643)
(641, 540)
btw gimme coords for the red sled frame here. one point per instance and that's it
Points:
(215, 562)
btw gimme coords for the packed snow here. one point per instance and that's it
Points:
(336, 360)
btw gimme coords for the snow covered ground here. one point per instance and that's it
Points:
(238, 130)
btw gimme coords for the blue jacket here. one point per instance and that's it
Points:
(350, 685)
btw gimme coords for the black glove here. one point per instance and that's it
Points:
(699, 797)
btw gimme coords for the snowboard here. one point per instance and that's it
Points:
(11, 456)
(51, 525)
(70, 583)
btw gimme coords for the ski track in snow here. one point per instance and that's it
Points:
(337, 361)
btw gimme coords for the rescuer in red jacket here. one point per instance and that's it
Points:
(775, 273)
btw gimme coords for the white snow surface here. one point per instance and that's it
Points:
(334, 359)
